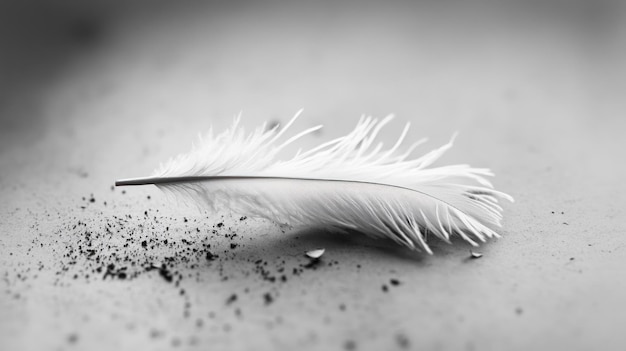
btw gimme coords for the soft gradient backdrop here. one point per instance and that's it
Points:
(95, 91)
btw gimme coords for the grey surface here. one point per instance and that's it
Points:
(536, 91)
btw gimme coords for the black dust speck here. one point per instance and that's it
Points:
(166, 274)
(268, 298)
(350, 345)
(72, 338)
(402, 341)
(154, 333)
(232, 298)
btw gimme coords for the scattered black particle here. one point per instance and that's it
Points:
(220, 224)
(72, 338)
(148, 197)
(185, 219)
(154, 333)
(267, 298)
(385, 288)
(402, 341)
(166, 274)
(110, 271)
(394, 282)
(144, 243)
(350, 345)
(313, 263)
(210, 256)
(233, 245)
(571, 258)
(232, 298)
(243, 218)
(121, 275)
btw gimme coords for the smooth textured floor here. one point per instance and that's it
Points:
(535, 90)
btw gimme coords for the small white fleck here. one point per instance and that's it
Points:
(315, 254)
(475, 254)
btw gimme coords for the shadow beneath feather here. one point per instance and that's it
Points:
(353, 246)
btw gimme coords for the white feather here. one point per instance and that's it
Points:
(351, 182)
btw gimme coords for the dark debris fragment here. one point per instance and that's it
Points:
(232, 298)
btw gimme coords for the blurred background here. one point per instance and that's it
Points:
(93, 91)
(147, 61)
